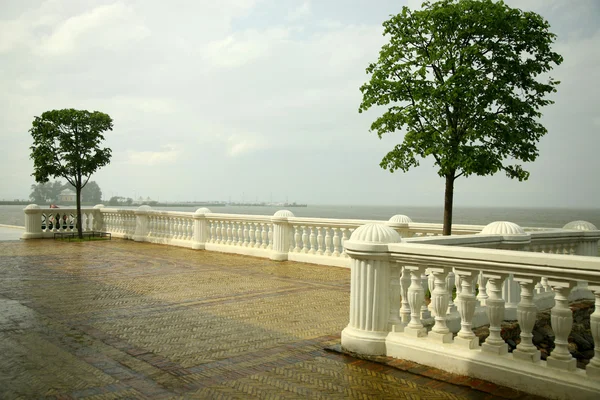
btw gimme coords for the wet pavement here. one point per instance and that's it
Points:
(118, 319)
(9, 232)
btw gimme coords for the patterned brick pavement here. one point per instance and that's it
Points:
(118, 319)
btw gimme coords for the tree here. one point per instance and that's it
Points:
(47, 192)
(66, 143)
(463, 78)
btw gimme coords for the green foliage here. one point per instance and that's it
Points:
(120, 201)
(463, 79)
(66, 143)
(48, 192)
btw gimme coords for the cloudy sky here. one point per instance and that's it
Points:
(258, 100)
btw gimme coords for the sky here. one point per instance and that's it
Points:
(257, 100)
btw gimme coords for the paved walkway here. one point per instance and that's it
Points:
(119, 319)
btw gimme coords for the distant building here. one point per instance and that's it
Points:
(140, 200)
(67, 196)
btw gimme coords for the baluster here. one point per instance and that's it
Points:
(224, 233)
(416, 295)
(394, 321)
(151, 226)
(183, 228)
(451, 283)
(240, 234)
(258, 234)
(482, 296)
(440, 299)
(305, 240)
(252, 235)
(404, 284)
(297, 238)
(212, 230)
(320, 241)
(495, 312)
(336, 242)
(593, 368)
(345, 236)
(265, 235)
(425, 313)
(526, 315)
(180, 231)
(545, 284)
(246, 234)
(313, 241)
(466, 304)
(218, 236)
(561, 319)
(229, 233)
(328, 243)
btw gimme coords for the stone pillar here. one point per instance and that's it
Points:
(369, 289)
(33, 222)
(593, 368)
(590, 242)
(513, 238)
(98, 218)
(466, 304)
(282, 235)
(526, 314)
(201, 228)
(141, 224)
(561, 318)
(495, 311)
(401, 224)
(440, 298)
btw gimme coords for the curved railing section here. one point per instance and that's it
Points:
(387, 308)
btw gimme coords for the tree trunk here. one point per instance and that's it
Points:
(78, 191)
(448, 200)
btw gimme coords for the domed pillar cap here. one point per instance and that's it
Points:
(202, 211)
(32, 207)
(581, 226)
(98, 206)
(509, 230)
(144, 208)
(399, 221)
(282, 215)
(372, 238)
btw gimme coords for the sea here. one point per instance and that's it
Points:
(525, 217)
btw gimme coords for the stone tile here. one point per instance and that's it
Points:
(119, 319)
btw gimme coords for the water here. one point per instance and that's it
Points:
(526, 217)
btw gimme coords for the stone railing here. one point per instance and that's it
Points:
(388, 283)
(45, 222)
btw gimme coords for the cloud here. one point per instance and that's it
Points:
(299, 12)
(245, 144)
(169, 155)
(244, 47)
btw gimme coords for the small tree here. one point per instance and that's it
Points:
(460, 77)
(66, 143)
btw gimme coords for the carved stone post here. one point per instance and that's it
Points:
(425, 313)
(526, 314)
(98, 224)
(466, 303)
(141, 223)
(440, 299)
(450, 284)
(401, 224)
(404, 284)
(369, 289)
(593, 368)
(281, 235)
(561, 318)
(201, 228)
(416, 296)
(588, 246)
(33, 222)
(495, 312)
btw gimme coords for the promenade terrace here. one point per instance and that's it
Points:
(483, 275)
(120, 319)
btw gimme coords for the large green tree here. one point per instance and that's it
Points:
(66, 143)
(465, 80)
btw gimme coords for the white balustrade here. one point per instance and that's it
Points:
(557, 377)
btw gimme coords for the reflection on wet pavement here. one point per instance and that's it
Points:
(119, 319)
